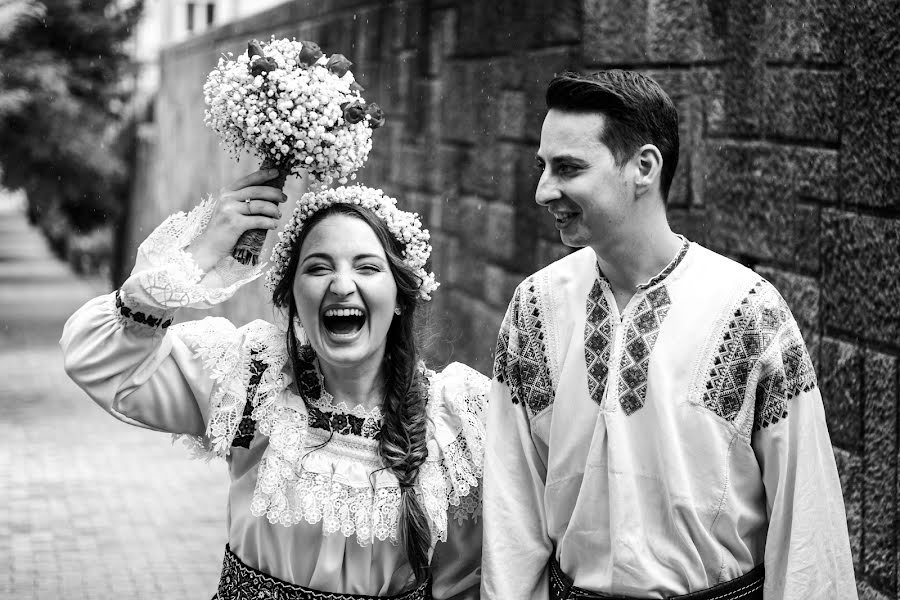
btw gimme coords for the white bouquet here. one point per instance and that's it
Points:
(296, 109)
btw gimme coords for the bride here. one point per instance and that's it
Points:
(355, 470)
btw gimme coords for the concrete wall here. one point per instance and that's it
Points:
(790, 117)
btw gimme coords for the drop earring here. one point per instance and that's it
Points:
(397, 310)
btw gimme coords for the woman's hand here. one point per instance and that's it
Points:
(242, 205)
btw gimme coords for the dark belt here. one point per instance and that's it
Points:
(748, 586)
(240, 582)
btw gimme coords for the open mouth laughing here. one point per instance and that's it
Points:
(564, 218)
(344, 322)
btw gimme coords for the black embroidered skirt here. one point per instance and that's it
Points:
(240, 582)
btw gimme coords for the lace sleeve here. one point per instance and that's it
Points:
(452, 484)
(166, 277)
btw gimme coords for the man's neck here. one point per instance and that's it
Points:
(637, 258)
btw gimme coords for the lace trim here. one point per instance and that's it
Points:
(310, 475)
(167, 275)
(303, 479)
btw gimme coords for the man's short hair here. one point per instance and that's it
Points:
(636, 109)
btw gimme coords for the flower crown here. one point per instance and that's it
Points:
(404, 226)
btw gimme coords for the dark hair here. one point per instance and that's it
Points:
(636, 109)
(402, 444)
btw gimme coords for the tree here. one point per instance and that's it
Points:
(63, 93)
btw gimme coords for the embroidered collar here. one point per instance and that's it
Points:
(685, 245)
(324, 412)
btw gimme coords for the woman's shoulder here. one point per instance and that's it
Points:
(457, 396)
(458, 381)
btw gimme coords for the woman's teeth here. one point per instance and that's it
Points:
(343, 312)
(344, 321)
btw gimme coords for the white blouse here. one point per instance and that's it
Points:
(309, 502)
(661, 450)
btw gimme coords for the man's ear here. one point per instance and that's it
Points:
(649, 168)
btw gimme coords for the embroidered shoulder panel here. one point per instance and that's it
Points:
(640, 338)
(521, 356)
(761, 319)
(788, 373)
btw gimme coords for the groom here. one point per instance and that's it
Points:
(655, 427)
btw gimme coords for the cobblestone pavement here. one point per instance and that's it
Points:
(90, 508)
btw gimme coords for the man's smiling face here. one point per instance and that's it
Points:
(580, 184)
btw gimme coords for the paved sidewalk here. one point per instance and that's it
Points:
(90, 508)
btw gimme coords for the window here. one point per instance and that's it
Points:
(190, 16)
(210, 12)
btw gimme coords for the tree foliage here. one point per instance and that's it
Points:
(64, 86)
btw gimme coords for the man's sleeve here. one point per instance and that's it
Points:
(807, 547)
(516, 547)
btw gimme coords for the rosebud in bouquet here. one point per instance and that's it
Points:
(287, 102)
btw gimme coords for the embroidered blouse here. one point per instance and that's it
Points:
(661, 450)
(309, 502)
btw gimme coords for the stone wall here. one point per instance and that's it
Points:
(790, 117)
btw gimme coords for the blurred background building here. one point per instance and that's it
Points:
(166, 22)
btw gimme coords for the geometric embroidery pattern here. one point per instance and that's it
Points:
(238, 581)
(639, 341)
(783, 380)
(598, 332)
(520, 360)
(751, 330)
(639, 338)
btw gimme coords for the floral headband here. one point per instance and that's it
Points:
(404, 226)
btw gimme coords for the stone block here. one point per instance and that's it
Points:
(867, 592)
(539, 68)
(513, 106)
(449, 265)
(443, 168)
(735, 90)
(557, 22)
(615, 31)
(473, 221)
(802, 104)
(682, 31)
(499, 285)
(880, 441)
(366, 38)
(840, 381)
(849, 467)
(763, 226)
(475, 326)
(460, 117)
(807, 31)
(499, 242)
(406, 167)
(424, 117)
(870, 103)
(802, 295)
(686, 89)
(690, 222)
(860, 254)
(441, 40)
